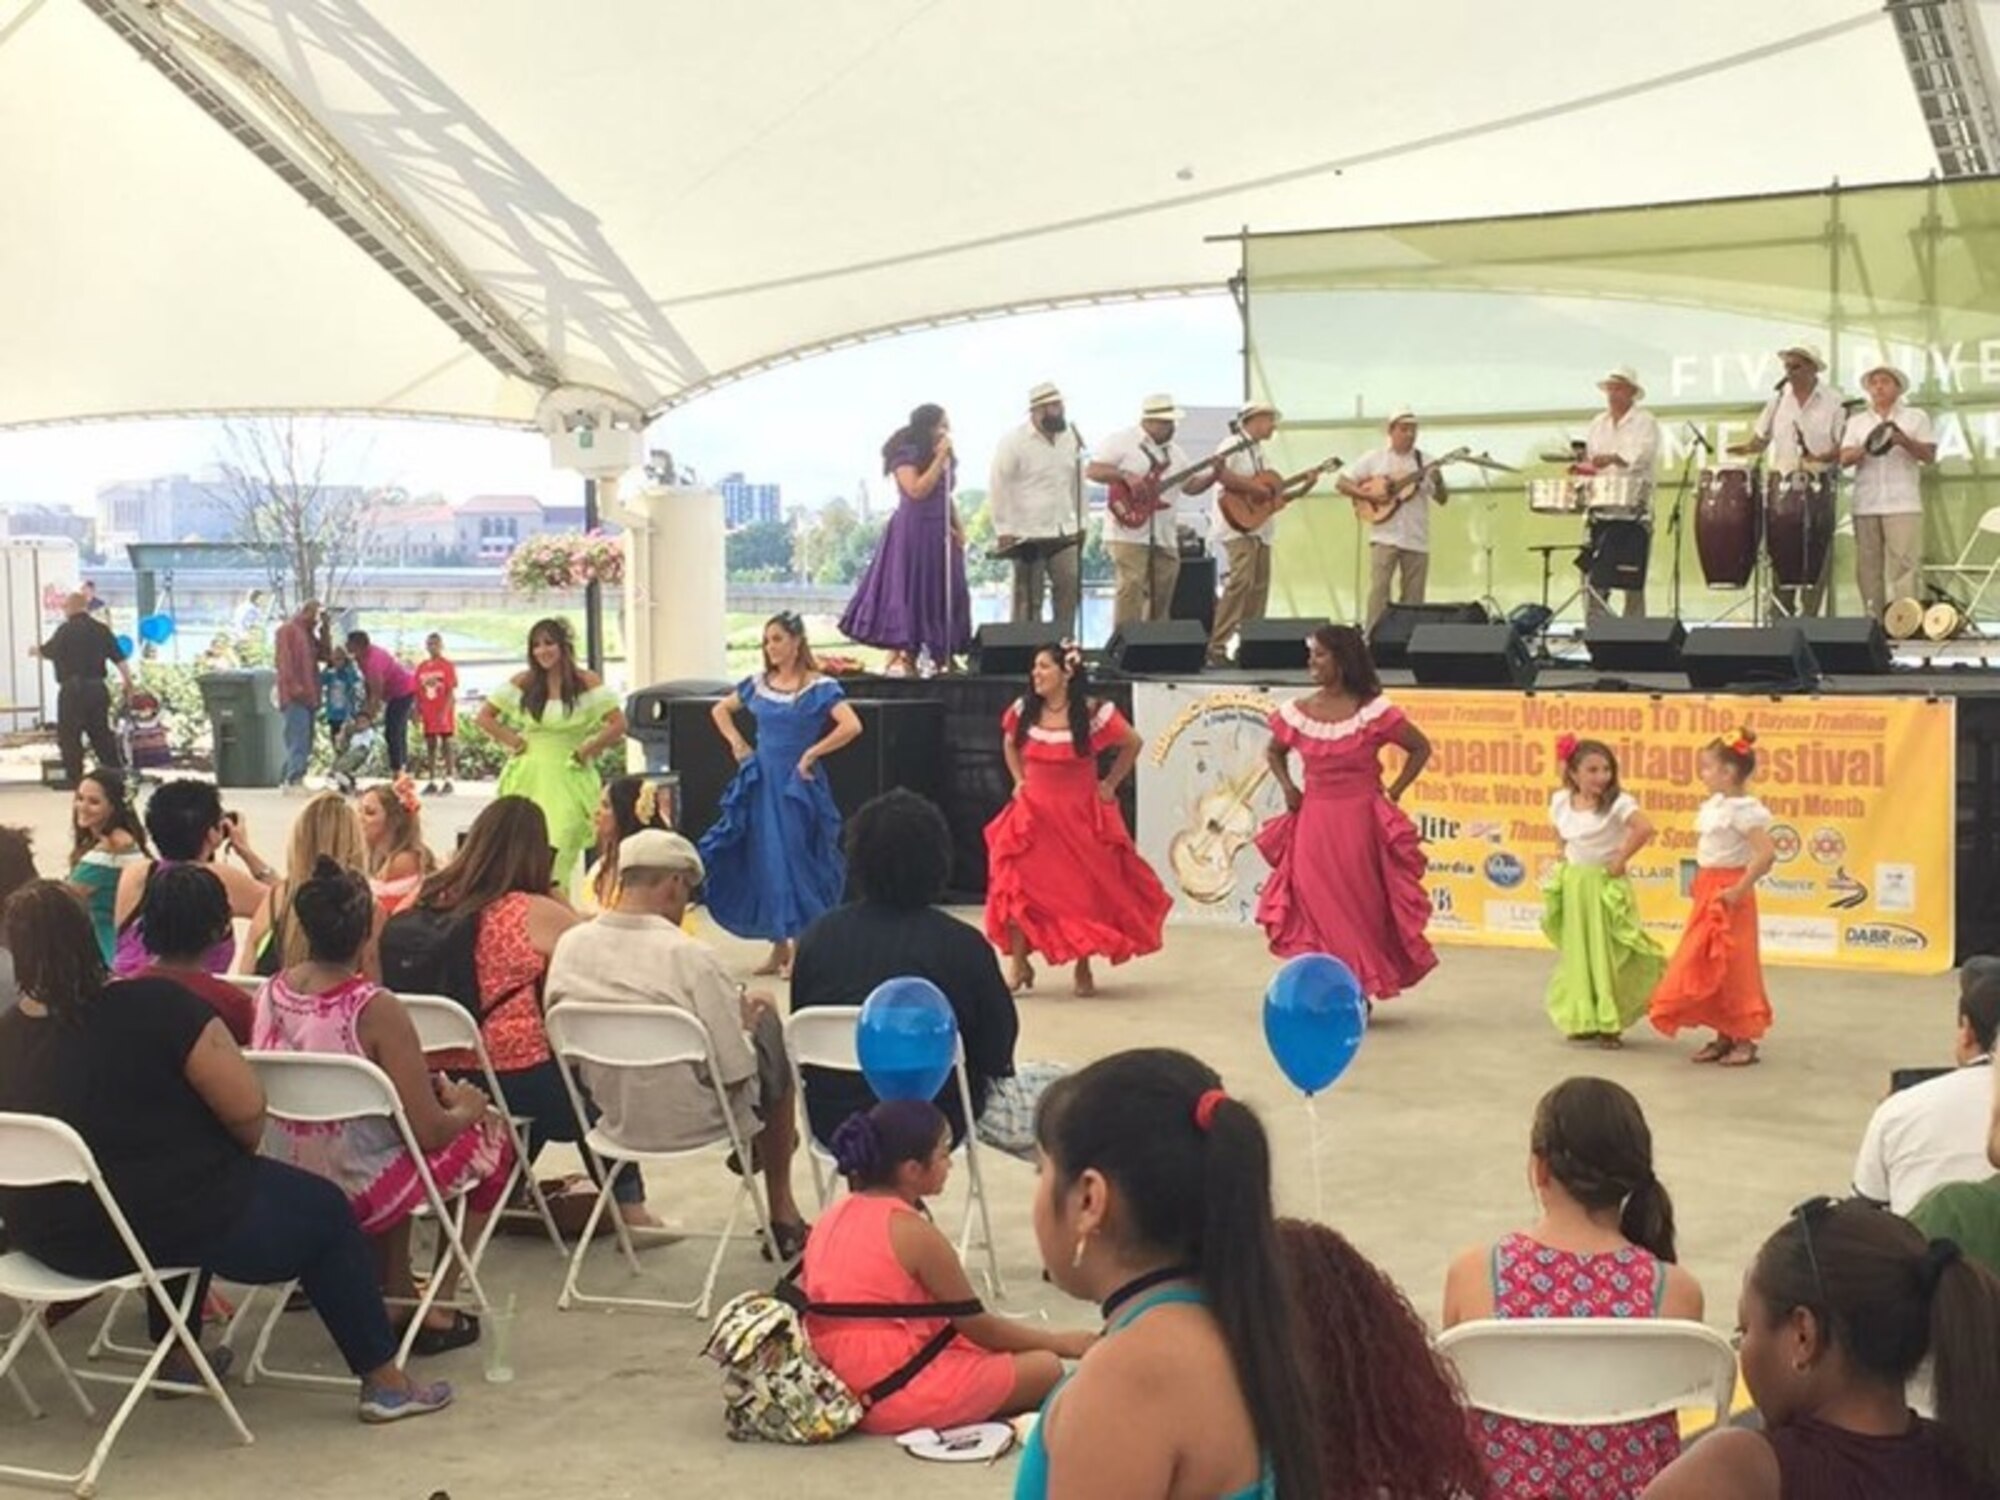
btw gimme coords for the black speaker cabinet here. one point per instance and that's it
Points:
(902, 744)
(1849, 648)
(1651, 643)
(1490, 655)
(1389, 641)
(1194, 593)
(1158, 648)
(1761, 655)
(1009, 650)
(1274, 645)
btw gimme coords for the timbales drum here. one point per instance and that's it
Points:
(1556, 497)
(1616, 497)
(1798, 525)
(1728, 524)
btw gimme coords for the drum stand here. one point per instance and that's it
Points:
(1583, 590)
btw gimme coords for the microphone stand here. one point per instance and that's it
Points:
(1680, 501)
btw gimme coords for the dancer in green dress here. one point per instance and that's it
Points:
(1606, 962)
(556, 719)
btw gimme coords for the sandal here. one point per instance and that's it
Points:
(1742, 1055)
(1715, 1051)
(1020, 975)
(790, 1239)
(456, 1334)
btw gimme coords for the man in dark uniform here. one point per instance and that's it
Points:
(81, 648)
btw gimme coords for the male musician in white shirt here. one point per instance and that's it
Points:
(1146, 558)
(1034, 491)
(1886, 444)
(1402, 543)
(1801, 425)
(1246, 590)
(1623, 440)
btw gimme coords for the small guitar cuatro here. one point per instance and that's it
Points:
(1386, 496)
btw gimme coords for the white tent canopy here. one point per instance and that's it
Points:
(651, 197)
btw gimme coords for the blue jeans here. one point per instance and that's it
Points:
(298, 740)
(396, 729)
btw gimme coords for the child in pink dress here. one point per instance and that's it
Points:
(877, 1246)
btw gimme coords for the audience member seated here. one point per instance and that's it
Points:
(1966, 1213)
(326, 828)
(1840, 1308)
(898, 857)
(1154, 1200)
(17, 868)
(500, 878)
(1935, 1131)
(398, 858)
(628, 805)
(1603, 1248)
(877, 1245)
(1387, 1408)
(325, 1004)
(184, 917)
(189, 827)
(150, 1079)
(636, 954)
(109, 837)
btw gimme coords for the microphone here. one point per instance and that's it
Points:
(1854, 403)
(1700, 438)
(1783, 381)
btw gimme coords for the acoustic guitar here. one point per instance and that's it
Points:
(1387, 496)
(1134, 502)
(1245, 513)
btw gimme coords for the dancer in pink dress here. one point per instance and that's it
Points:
(1347, 874)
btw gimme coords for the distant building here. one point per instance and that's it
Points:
(48, 520)
(489, 527)
(165, 508)
(411, 536)
(747, 504)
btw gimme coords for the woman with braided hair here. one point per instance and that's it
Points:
(1063, 877)
(1840, 1308)
(1603, 1248)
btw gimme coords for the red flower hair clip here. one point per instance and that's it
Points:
(405, 792)
(1565, 747)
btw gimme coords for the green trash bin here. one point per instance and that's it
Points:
(248, 730)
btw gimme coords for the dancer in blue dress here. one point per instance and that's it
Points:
(773, 858)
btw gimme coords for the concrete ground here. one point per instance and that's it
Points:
(1422, 1152)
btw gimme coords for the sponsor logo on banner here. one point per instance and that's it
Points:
(1785, 842)
(1896, 888)
(1505, 870)
(1885, 937)
(1514, 916)
(1788, 934)
(1453, 867)
(1827, 846)
(1848, 893)
(1779, 885)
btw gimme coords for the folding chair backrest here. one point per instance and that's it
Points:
(823, 1036)
(443, 1025)
(627, 1036)
(250, 984)
(1589, 1372)
(319, 1088)
(1989, 520)
(38, 1151)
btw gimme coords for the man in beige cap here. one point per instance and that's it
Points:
(1622, 440)
(1801, 425)
(1246, 585)
(1035, 493)
(1402, 542)
(1145, 557)
(636, 954)
(1886, 444)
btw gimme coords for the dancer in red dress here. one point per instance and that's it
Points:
(1347, 874)
(1063, 878)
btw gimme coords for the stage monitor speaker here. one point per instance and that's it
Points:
(1651, 643)
(1489, 655)
(1274, 645)
(1850, 648)
(1389, 641)
(1774, 656)
(1158, 648)
(1009, 650)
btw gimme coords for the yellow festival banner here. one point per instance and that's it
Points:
(1860, 790)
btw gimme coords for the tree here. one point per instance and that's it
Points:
(274, 487)
(760, 552)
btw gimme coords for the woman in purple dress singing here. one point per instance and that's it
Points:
(1347, 874)
(912, 601)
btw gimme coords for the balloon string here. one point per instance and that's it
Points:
(1319, 1182)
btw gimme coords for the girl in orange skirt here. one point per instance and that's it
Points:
(1715, 978)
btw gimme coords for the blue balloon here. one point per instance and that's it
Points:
(156, 630)
(1314, 1019)
(907, 1038)
(125, 644)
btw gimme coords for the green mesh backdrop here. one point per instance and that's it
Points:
(1497, 331)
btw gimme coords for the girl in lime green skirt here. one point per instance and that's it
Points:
(1606, 962)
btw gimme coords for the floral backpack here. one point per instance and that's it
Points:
(775, 1389)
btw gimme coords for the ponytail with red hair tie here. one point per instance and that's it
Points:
(1205, 1108)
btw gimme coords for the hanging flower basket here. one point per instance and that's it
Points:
(549, 562)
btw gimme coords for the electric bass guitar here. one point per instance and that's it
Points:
(1134, 502)
(1245, 513)
(1387, 496)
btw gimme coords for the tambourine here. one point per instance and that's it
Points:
(1881, 440)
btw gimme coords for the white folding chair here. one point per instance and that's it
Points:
(39, 1152)
(315, 1088)
(1591, 1372)
(1986, 531)
(641, 1038)
(250, 984)
(823, 1036)
(443, 1025)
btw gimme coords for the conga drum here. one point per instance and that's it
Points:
(1727, 526)
(1798, 525)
